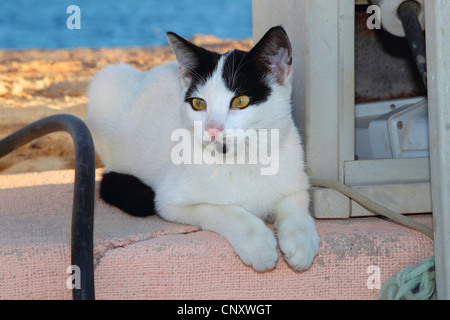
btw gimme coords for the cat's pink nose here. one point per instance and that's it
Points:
(214, 132)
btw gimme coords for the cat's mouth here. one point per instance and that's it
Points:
(221, 147)
(229, 144)
(220, 144)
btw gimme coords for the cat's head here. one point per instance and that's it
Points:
(236, 90)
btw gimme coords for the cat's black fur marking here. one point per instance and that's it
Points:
(206, 63)
(199, 75)
(128, 193)
(242, 76)
(242, 73)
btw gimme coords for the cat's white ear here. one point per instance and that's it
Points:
(185, 53)
(274, 53)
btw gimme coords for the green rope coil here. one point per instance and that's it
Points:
(417, 282)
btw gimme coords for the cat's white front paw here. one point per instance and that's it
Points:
(299, 247)
(257, 247)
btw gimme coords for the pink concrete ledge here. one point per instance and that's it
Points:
(148, 258)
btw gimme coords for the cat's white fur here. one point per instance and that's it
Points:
(132, 115)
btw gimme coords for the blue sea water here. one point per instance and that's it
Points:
(112, 23)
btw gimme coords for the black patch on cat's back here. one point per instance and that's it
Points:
(127, 193)
(243, 77)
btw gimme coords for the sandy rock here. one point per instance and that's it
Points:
(5, 88)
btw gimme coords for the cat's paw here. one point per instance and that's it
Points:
(299, 247)
(257, 248)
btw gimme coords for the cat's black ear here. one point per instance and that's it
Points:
(184, 52)
(273, 53)
(188, 55)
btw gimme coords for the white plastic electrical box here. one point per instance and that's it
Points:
(392, 129)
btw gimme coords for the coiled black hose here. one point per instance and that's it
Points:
(83, 195)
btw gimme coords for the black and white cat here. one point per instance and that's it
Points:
(149, 127)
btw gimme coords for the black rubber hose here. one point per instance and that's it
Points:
(84, 187)
(408, 14)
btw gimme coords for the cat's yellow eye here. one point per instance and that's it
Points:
(240, 102)
(198, 104)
